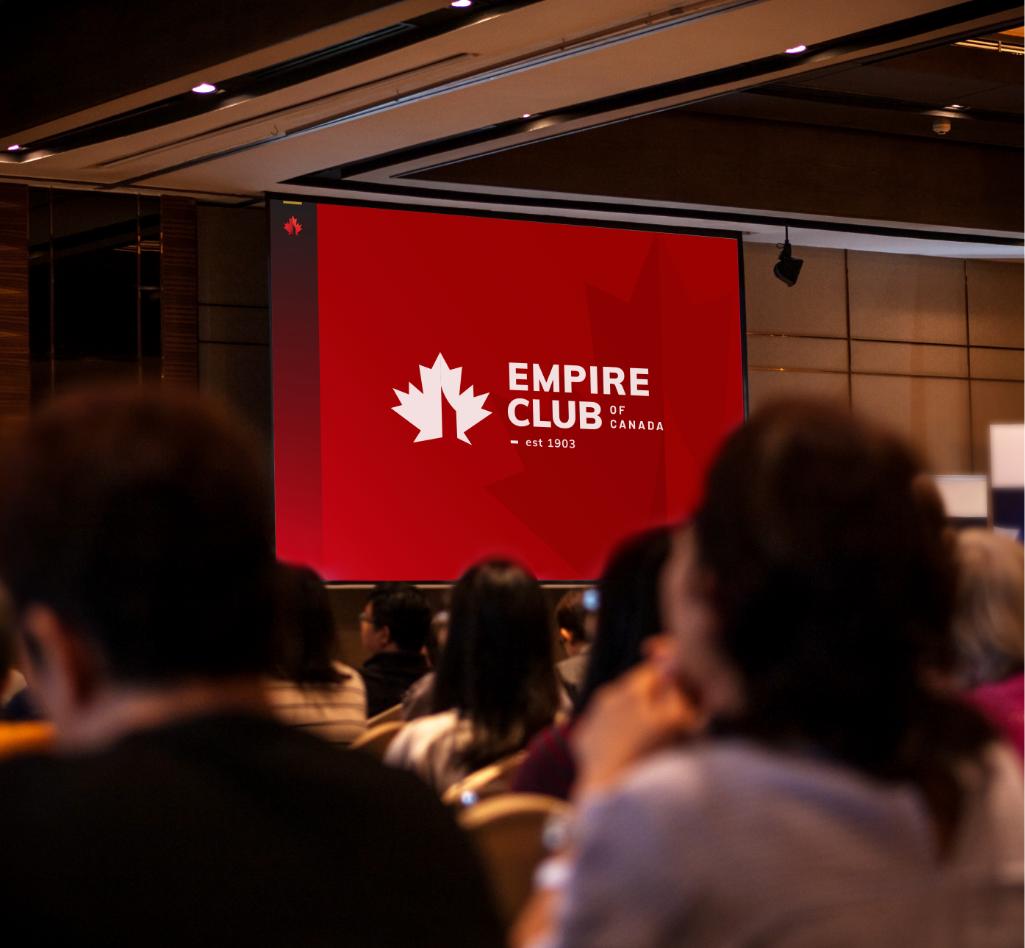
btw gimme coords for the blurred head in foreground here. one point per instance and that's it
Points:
(629, 611)
(306, 645)
(496, 669)
(988, 621)
(137, 543)
(811, 602)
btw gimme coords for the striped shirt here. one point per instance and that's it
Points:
(337, 713)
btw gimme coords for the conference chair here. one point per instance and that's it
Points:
(375, 740)
(513, 833)
(487, 782)
(25, 737)
(394, 713)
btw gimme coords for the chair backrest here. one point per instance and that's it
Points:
(487, 782)
(375, 740)
(509, 832)
(394, 713)
(25, 737)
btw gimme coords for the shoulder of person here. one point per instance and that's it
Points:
(991, 828)
(353, 679)
(413, 741)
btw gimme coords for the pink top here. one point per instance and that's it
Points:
(1003, 703)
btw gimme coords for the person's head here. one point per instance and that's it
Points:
(629, 611)
(436, 638)
(306, 644)
(137, 543)
(988, 620)
(396, 618)
(496, 668)
(572, 619)
(811, 602)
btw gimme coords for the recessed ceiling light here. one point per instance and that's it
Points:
(203, 88)
(955, 106)
(462, 3)
(526, 115)
(14, 147)
(796, 49)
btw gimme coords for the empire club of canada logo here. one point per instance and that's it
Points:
(293, 226)
(423, 409)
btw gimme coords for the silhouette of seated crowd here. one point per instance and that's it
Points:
(795, 720)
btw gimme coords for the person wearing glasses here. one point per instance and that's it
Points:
(393, 628)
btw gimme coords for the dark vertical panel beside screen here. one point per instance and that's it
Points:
(14, 294)
(178, 294)
(295, 332)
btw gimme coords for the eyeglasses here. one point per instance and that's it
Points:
(365, 617)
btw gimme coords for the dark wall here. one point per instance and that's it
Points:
(234, 315)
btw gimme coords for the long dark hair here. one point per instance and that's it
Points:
(834, 591)
(305, 641)
(629, 610)
(496, 669)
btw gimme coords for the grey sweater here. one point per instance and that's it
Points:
(729, 844)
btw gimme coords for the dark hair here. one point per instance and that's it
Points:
(834, 590)
(571, 615)
(143, 519)
(404, 610)
(496, 669)
(629, 611)
(306, 645)
(8, 631)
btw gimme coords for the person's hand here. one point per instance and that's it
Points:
(641, 711)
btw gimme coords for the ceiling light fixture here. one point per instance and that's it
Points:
(955, 106)
(794, 50)
(14, 147)
(789, 267)
(526, 115)
(462, 3)
(203, 88)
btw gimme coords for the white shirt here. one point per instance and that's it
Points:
(430, 747)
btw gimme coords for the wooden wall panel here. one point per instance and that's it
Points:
(15, 381)
(179, 309)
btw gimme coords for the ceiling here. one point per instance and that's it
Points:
(976, 90)
(342, 99)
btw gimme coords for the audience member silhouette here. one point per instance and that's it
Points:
(393, 628)
(628, 615)
(990, 627)
(843, 797)
(496, 685)
(136, 540)
(418, 701)
(310, 688)
(575, 623)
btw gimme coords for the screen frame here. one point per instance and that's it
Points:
(530, 212)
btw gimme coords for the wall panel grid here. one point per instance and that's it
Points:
(930, 347)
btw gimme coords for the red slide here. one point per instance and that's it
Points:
(449, 387)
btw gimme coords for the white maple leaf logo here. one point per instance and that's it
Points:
(422, 409)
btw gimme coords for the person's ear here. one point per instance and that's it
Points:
(385, 633)
(61, 668)
(566, 637)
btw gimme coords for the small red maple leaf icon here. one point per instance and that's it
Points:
(293, 226)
